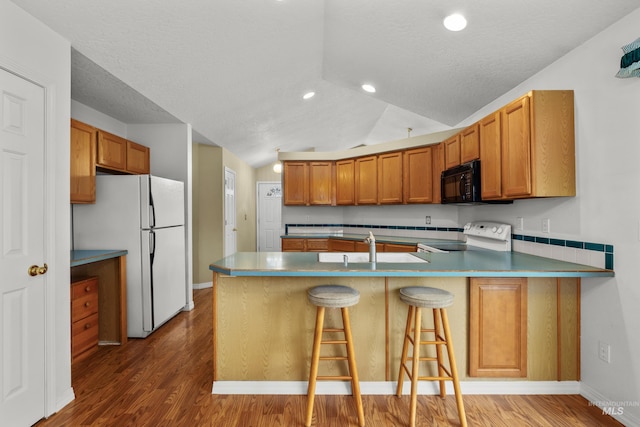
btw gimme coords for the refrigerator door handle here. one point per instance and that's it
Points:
(152, 255)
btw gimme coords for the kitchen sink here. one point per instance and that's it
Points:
(396, 257)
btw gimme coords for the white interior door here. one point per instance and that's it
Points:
(21, 229)
(230, 230)
(269, 216)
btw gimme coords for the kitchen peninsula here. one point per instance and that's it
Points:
(263, 323)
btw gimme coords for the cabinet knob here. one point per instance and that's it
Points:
(87, 326)
(87, 289)
(87, 304)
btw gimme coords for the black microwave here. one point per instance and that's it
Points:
(462, 185)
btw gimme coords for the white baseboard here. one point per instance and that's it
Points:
(389, 387)
(619, 410)
(204, 285)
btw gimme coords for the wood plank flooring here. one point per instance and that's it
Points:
(165, 380)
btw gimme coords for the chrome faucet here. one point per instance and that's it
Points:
(372, 248)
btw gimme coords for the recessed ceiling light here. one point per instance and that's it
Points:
(455, 22)
(308, 95)
(368, 88)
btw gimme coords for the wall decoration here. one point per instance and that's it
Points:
(630, 61)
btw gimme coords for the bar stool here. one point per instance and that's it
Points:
(333, 296)
(418, 297)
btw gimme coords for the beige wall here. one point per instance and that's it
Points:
(266, 173)
(208, 208)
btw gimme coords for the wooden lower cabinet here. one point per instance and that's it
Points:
(305, 245)
(84, 318)
(394, 247)
(498, 327)
(337, 245)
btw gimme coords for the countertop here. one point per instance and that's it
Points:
(86, 256)
(470, 263)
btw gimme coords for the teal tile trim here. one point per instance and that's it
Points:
(375, 226)
(590, 246)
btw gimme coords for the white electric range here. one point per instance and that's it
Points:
(489, 235)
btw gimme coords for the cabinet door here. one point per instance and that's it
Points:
(137, 158)
(418, 175)
(491, 156)
(317, 245)
(336, 245)
(438, 167)
(83, 163)
(498, 327)
(470, 144)
(321, 183)
(390, 178)
(345, 179)
(293, 245)
(112, 151)
(295, 181)
(516, 149)
(452, 151)
(367, 180)
(394, 247)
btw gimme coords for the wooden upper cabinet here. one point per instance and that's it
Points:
(83, 162)
(137, 158)
(418, 175)
(516, 149)
(345, 182)
(491, 156)
(437, 169)
(321, 183)
(470, 144)
(390, 178)
(295, 179)
(112, 151)
(366, 180)
(452, 151)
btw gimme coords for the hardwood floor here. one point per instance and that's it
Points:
(165, 380)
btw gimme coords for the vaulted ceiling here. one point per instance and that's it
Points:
(236, 70)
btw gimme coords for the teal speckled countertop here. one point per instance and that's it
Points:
(470, 263)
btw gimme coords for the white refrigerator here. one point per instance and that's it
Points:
(143, 214)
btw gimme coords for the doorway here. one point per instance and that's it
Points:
(269, 220)
(230, 229)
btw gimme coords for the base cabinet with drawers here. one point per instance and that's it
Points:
(84, 318)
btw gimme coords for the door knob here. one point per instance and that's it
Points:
(34, 270)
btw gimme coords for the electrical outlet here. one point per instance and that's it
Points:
(604, 351)
(307, 218)
(519, 223)
(546, 225)
(427, 219)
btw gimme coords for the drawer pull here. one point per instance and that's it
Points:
(87, 326)
(87, 304)
(87, 289)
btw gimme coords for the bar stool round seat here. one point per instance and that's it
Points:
(417, 298)
(329, 297)
(420, 296)
(333, 296)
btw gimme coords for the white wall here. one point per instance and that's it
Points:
(30, 49)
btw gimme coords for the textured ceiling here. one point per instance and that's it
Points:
(237, 70)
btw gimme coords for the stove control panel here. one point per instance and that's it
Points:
(488, 230)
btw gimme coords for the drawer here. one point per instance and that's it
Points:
(84, 335)
(84, 287)
(84, 306)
